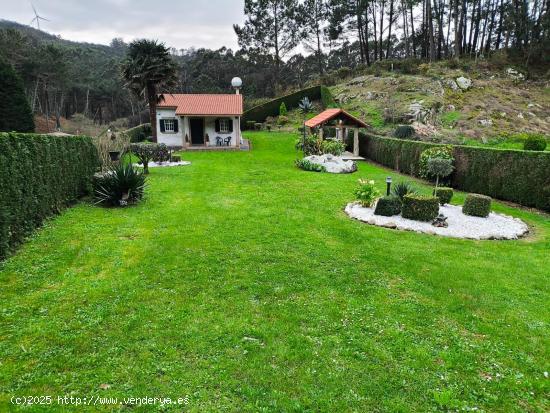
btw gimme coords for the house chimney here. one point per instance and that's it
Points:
(237, 83)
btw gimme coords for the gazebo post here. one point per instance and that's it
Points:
(321, 131)
(355, 141)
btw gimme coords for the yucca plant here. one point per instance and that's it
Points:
(400, 189)
(120, 186)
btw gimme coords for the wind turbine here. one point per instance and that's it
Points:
(37, 18)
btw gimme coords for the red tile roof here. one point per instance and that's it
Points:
(188, 104)
(330, 114)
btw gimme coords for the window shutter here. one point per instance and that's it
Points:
(230, 121)
(217, 125)
(162, 129)
(175, 126)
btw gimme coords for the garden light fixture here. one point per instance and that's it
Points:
(388, 183)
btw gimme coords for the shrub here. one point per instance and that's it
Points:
(39, 176)
(282, 109)
(404, 132)
(282, 120)
(176, 158)
(535, 143)
(420, 207)
(121, 186)
(441, 152)
(147, 152)
(388, 206)
(327, 99)
(16, 114)
(477, 205)
(332, 146)
(309, 166)
(444, 194)
(440, 168)
(513, 175)
(140, 133)
(366, 193)
(310, 145)
(400, 189)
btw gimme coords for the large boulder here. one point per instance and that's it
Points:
(333, 164)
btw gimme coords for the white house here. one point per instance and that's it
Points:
(200, 121)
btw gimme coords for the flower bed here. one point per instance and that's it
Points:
(496, 226)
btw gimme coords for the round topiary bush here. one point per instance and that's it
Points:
(477, 205)
(404, 132)
(535, 143)
(388, 206)
(444, 194)
(420, 207)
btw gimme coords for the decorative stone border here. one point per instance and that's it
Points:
(496, 226)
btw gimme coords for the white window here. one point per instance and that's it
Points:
(169, 125)
(224, 126)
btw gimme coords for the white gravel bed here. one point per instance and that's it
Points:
(496, 226)
(164, 164)
(333, 164)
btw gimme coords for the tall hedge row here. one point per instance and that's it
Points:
(511, 175)
(39, 175)
(261, 112)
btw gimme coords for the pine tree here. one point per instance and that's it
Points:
(15, 111)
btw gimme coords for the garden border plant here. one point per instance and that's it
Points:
(40, 175)
(507, 174)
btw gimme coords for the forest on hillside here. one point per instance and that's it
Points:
(284, 45)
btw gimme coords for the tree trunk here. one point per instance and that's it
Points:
(405, 29)
(413, 34)
(390, 22)
(500, 22)
(152, 99)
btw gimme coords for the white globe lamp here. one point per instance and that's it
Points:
(237, 83)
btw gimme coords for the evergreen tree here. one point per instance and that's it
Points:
(15, 111)
(272, 27)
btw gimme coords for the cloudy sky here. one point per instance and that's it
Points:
(178, 23)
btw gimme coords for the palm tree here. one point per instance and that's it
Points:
(148, 69)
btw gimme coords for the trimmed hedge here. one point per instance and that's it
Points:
(511, 175)
(420, 207)
(388, 206)
(444, 194)
(40, 175)
(139, 133)
(477, 205)
(327, 99)
(261, 112)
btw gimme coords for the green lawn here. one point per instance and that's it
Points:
(240, 283)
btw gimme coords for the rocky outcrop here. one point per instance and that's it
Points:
(333, 164)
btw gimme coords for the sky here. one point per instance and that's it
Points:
(178, 23)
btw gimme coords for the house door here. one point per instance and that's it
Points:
(197, 131)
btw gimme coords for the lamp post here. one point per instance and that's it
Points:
(388, 184)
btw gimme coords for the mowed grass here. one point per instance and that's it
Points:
(240, 283)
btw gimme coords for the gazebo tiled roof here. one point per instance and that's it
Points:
(330, 114)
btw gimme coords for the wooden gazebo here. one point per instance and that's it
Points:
(340, 120)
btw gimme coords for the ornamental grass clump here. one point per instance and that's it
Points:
(120, 186)
(535, 142)
(366, 193)
(420, 207)
(477, 205)
(400, 189)
(404, 132)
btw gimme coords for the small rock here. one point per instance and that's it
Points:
(486, 122)
(514, 74)
(502, 114)
(104, 386)
(520, 115)
(464, 83)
